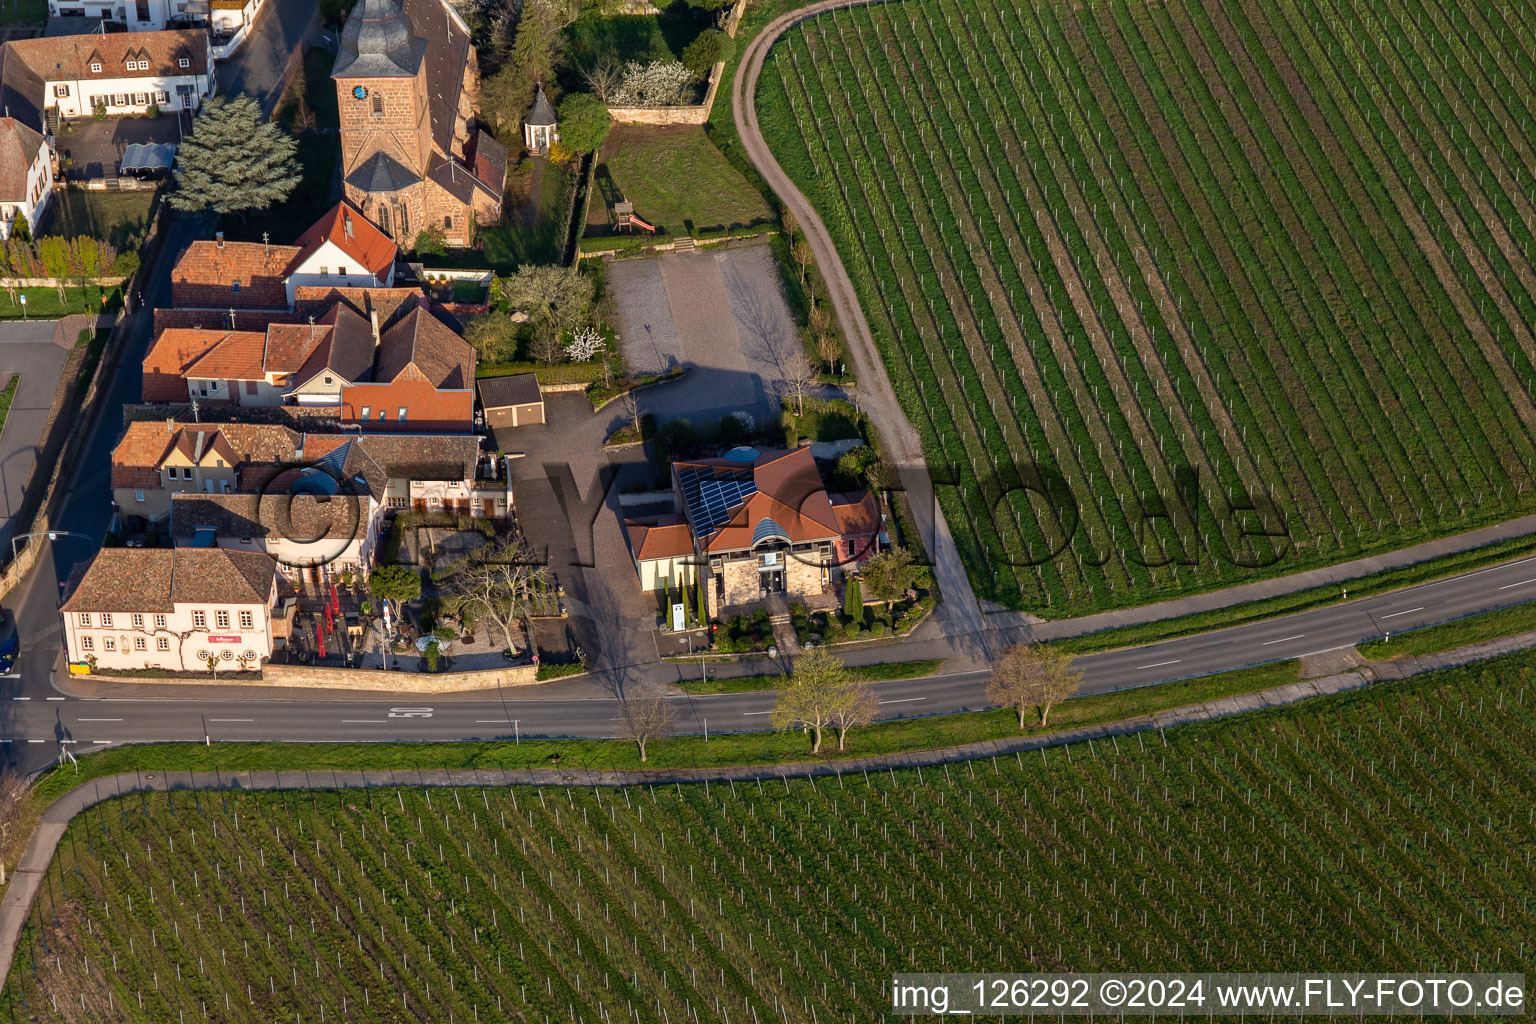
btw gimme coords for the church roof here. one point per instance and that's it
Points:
(377, 42)
(381, 173)
(541, 113)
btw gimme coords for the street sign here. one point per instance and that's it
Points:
(679, 616)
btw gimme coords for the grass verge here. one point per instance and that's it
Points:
(772, 681)
(1474, 629)
(7, 397)
(1301, 600)
(752, 748)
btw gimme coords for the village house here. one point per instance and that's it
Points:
(342, 250)
(756, 523)
(412, 155)
(171, 609)
(147, 15)
(26, 176)
(158, 458)
(116, 73)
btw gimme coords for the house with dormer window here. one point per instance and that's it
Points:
(69, 77)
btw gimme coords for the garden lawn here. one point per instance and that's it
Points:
(1342, 835)
(1447, 636)
(630, 37)
(121, 218)
(1247, 304)
(524, 235)
(44, 304)
(677, 179)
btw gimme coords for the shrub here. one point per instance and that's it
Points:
(711, 47)
(153, 110)
(584, 122)
(431, 241)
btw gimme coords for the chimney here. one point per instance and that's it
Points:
(347, 217)
(373, 318)
(218, 239)
(170, 425)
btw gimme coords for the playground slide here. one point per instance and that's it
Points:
(637, 222)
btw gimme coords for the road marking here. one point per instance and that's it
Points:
(34, 741)
(1159, 664)
(1510, 586)
(226, 719)
(499, 721)
(56, 698)
(10, 675)
(362, 721)
(5, 741)
(101, 719)
(1405, 611)
(1282, 640)
(757, 712)
(903, 700)
(103, 742)
(21, 698)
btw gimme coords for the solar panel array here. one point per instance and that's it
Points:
(711, 493)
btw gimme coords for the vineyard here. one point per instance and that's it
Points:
(1178, 293)
(1385, 830)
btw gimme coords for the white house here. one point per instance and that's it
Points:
(120, 72)
(171, 608)
(343, 249)
(26, 176)
(145, 15)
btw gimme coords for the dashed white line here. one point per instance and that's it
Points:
(56, 698)
(21, 698)
(1405, 611)
(1159, 664)
(1511, 586)
(903, 700)
(34, 741)
(362, 721)
(231, 719)
(757, 712)
(101, 719)
(496, 721)
(1282, 640)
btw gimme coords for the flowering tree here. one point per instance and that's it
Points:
(585, 344)
(657, 84)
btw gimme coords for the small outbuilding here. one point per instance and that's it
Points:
(513, 401)
(539, 128)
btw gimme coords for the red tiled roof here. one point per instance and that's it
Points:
(169, 356)
(423, 342)
(137, 459)
(19, 147)
(69, 58)
(789, 491)
(390, 303)
(237, 356)
(156, 579)
(288, 346)
(663, 536)
(241, 274)
(858, 514)
(352, 233)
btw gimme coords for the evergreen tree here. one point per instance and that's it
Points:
(584, 122)
(853, 600)
(687, 595)
(235, 160)
(703, 599)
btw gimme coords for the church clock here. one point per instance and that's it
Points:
(360, 92)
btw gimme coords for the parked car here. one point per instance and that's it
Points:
(10, 647)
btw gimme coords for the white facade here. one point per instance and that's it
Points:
(135, 95)
(34, 203)
(140, 15)
(176, 640)
(329, 266)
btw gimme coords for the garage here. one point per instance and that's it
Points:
(512, 401)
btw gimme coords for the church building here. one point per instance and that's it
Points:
(412, 154)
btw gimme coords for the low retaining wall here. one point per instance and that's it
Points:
(321, 678)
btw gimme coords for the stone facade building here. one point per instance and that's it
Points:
(755, 524)
(412, 154)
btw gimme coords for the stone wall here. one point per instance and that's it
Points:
(369, 679)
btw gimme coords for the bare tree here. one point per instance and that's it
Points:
(798, 379)
(812, 697)
(501, 586)
(18, 813)
(604, 77)
(855, 705)
(791, 225)
(1030, 676)
(801, 251)
(644, 713)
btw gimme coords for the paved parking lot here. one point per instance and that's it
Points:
(96, 147)
(721, 313)
(28, 348)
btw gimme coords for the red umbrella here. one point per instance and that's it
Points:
(320, 639)
(335, 600)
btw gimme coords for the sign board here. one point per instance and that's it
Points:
(223, 639)
(679, 616)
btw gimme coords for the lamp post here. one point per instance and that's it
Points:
(50, 534)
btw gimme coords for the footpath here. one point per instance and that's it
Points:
(30, 873)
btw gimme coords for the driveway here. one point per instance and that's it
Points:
(722, 314)
(566, 488)
(96, 147)
(27, 348)
(257, 66)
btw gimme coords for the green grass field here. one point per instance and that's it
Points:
(121, 218)
(44, 304)
(1447, 636)
(677, 180)
(1191, 259)
(1381, 830)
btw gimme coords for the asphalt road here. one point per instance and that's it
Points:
(38, 720)
(26, 348)
(257, 67)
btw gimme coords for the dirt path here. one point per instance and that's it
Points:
(961, 611)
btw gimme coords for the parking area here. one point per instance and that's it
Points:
(34, 350)
(721, 313)
(95, 148)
